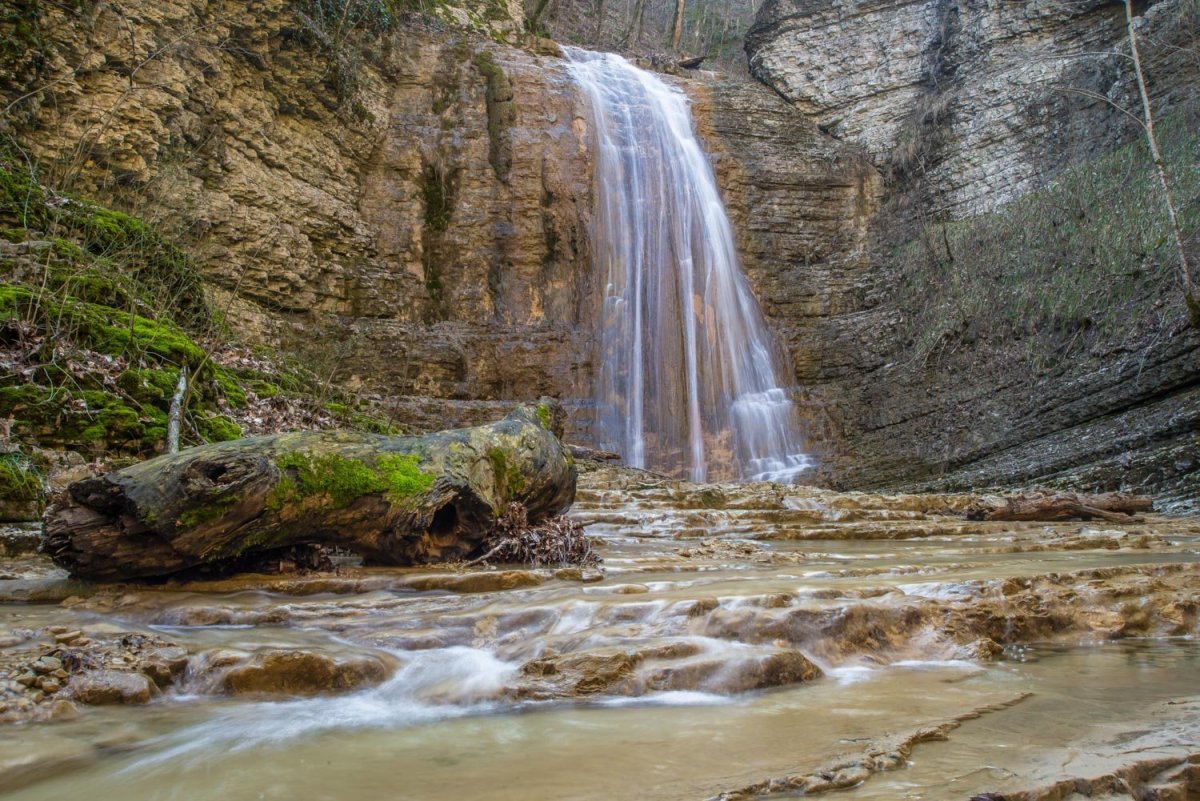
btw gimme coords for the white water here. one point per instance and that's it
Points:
(689, 378)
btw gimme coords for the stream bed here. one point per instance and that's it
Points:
(739, 641)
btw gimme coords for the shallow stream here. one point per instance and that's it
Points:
(1036, 652)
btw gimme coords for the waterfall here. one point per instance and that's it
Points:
(687, 380)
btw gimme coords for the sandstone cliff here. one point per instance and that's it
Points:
(408, 211)
(416, 229)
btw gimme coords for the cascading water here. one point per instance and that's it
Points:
(688, 379)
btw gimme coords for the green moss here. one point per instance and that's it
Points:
(203, 514)
(13, 234)
(95, 419)
(507, 475)
(502, 113)
(263, 389)
(403, 476)
(159, 272)
(218, 428)
(20, 480)
(342, 480)
(544, 416)
(231, 389)
(149, 385)
(102, 328)
(374, 425)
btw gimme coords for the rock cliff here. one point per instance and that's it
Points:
(407, 209)
(409, 216)
(1004, 332)
(986, 99)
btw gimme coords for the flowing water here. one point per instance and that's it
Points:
(672, 675)
(689, 380)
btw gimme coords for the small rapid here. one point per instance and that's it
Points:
(689, 381)
(739, 638)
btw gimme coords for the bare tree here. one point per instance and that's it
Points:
(677, 31)
(1185, 271)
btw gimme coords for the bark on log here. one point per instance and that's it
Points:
(395, 500)
(1114, 507)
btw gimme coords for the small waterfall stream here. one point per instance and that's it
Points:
(689, 381)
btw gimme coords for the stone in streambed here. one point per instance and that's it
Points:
(164, 665)
(108, 687)
(304, 673)
(743, 675)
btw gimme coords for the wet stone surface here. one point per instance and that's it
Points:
(766, 639)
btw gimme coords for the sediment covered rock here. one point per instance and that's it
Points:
(303, 673)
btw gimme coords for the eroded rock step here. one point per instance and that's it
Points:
(726, 593)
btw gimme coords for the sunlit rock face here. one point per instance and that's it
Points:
(987, 100)
(688, 377)
(425, 237)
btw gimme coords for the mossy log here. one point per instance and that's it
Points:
(1114, 507)
(394, 500)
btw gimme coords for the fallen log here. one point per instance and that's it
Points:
(1114, 507)
(394, 500)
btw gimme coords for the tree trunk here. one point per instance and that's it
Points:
(1191, 301)
(394, 500)
(677, 30)
(1114, 507)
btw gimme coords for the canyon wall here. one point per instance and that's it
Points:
(990, 122)
(416, 229)
(407, 211)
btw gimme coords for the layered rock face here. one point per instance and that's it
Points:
(966, 106)
(986, 100)
(409, 213)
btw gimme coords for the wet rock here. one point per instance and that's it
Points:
(583, 673)
(983, 650)
(108, 687)
(218, 616)
(482, 581)
(304, 673)
(734, 675)
(47, 664)
(164, 665)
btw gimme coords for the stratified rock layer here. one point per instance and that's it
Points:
(986, 100)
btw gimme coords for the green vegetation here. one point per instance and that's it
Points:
(437, 192)
(20, 480)
(544, 416)
(502, 114)
(1090, 255)
(218, 428)
(99, 254)
(336, 477)
(403, 476)
(100, 313)
(203, 514)
(342, 480)
(506, 474)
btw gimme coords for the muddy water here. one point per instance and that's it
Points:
(735, 638)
